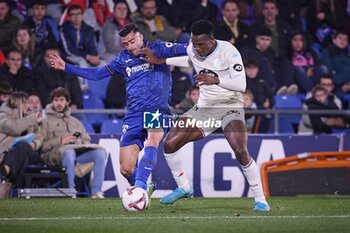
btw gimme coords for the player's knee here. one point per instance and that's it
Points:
(126, 170)
(170, 146)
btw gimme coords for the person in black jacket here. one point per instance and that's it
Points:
(47, 79)
(322, 123)
(14, 73)
(263, 95)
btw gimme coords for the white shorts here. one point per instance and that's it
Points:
(214, 117)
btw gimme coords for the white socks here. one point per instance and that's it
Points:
(251, 172)
(175, 164)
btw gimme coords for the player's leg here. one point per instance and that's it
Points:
(236, 134)
(176, 138)
(149, 160)
(128, 157)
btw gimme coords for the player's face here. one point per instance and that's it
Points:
(203, 44)
(230, 11)
(39, 12)
(297, 42)
(133, 42)
(59, 103)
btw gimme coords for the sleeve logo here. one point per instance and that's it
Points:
(238, 67)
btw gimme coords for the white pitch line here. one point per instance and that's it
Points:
(174, 217)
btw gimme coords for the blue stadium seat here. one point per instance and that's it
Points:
(346, 98)
(287, 122)
(88, 126)
(99, 87)
(94, 102)
(112, 126)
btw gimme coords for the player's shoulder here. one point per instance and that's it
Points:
(226, 46)
(122, 57)
(159, 44)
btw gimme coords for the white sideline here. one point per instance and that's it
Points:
(174, 217)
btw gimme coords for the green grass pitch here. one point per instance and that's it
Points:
(289, 214)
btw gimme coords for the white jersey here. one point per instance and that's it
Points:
(225, 62)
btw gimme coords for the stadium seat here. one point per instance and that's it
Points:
(346, 99)
(91, 101)
(88, 126)
(287, 122)
(112, 126)
(98, 88)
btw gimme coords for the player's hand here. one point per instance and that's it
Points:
(205, 79)
(151, 57)
(57, 62)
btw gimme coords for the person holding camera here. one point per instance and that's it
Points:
(64, 142)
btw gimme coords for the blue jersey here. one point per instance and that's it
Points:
(148, 86)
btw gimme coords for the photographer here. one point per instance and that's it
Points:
(64, 141)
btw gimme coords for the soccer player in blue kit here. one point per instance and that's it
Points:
(148, 89)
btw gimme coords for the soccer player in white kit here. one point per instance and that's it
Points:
(222, 81)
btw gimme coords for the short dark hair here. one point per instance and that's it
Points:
(12, 50)
(202, 27)
(5, 88)
(5, 1)
(58, 92)
(130, 27)
(74, 7)
(39, 3)
(251, 63)
(326, 76)
(192, 89)
(263, 31)
(337, 33)
(318, 88)
(144, 1)
(230, 1)
(270, 1)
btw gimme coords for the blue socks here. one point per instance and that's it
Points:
(146, 166)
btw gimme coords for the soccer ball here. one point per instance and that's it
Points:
(135, 199)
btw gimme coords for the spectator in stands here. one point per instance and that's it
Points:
(250, 11)
(19, 8)
(34, 103)
(24, 41)
(190, 101)
(14, 73)
(16, 121)
(152, 26)
(263, 94)
(305, 62)
(204, 9)
(279, 29)
(248, 103)
(177, 12)
(2, 58)
(326, 81)
(44, 28)
(54, 10)
(111, 42)
(241, 33)
(8, 25)
(96, 15)
(64, 141)
(319, 123)
(5, 91)
(77, 39)
(337, 59)
(182, 83)
(322, 19)
(116, 92)
(289, 12)
(47, 79)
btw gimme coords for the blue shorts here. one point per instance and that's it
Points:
(133, 130)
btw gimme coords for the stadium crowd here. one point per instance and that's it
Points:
(294, 48)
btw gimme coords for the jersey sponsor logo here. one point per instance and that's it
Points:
(143, 67)
(169, 44)
(209, 72)
(238, 67)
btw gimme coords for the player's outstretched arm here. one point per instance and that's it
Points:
(57, 62)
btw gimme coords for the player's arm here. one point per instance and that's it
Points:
(151, 57)
(95, 73)
(237, 79)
